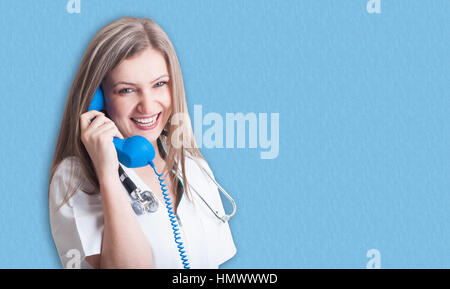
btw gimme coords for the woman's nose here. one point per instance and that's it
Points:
(146, 103)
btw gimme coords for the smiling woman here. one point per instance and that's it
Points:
(134, 63)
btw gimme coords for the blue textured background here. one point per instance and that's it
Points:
(364, 122)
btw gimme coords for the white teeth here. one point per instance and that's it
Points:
(146, 121)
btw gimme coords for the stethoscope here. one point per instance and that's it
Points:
(146, 202)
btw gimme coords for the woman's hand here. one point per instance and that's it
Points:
(124, 244)
(97, 137)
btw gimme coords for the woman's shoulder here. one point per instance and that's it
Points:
(68, 177)
(200, 176)
(68, 170)
(67, 164)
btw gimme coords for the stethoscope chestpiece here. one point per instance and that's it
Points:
(144, 202)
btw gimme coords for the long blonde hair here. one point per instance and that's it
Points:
(115, 42)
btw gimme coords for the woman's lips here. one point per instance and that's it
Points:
(145, 127)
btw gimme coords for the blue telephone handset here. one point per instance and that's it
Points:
(136, 152)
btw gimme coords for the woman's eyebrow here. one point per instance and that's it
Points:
(134, 84)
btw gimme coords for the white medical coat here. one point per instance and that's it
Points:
(78, 224)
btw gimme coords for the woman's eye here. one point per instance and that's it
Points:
(161, 83)
(125, 91)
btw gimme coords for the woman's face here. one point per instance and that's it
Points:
(137, 95)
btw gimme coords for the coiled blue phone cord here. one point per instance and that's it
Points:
(173, 219)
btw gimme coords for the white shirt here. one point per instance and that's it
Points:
(78, 224)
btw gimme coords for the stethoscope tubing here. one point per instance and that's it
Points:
(224, 218)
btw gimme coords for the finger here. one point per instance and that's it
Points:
(98, 121)
(117, 133)
(103, 128)
(107, 128)
(107, 132)
(85, 118)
